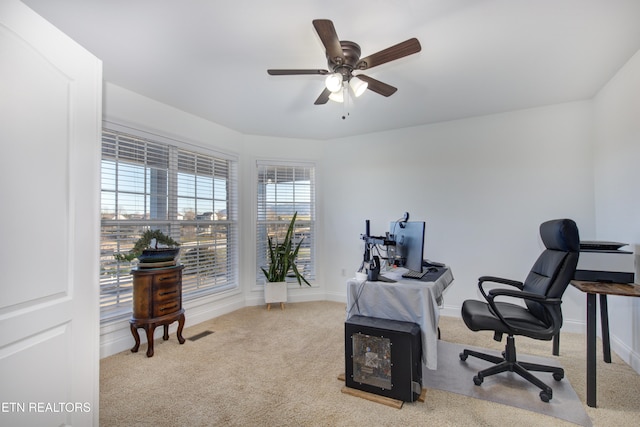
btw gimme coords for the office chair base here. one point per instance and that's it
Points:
(509, 363)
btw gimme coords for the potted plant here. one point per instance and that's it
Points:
(282, 260)
(153, 247)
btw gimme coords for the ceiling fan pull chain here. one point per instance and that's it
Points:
(345, 106)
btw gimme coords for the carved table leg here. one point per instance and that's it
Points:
(180, 326)
(150, 329)
(166, 332)
(134, 332)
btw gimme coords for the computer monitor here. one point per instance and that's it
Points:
(409, 238)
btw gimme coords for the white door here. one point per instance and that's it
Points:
(50, 121)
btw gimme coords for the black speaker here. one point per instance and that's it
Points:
(383, 357)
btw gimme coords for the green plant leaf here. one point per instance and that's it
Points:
(282, 257)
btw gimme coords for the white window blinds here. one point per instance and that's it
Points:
(188, 195)
(283, 189)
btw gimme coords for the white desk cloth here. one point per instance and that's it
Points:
(407, 300)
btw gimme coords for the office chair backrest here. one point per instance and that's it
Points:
(554, 268)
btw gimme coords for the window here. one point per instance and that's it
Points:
(284, 189)
(188, 195)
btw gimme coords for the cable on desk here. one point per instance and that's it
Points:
(355, 301)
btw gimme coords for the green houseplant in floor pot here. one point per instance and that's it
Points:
(282, 264)
(153, 248)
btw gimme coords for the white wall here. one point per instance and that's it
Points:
(483, 185)
(617, 174)
(129, 108)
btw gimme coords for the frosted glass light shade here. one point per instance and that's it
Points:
(358, 86)
(337, 96)
(333, 82)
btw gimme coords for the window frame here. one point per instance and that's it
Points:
(215, 270)
(306, 222)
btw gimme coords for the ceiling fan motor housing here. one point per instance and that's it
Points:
(345, 65)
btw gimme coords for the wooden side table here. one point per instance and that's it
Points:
(157, 300)
(603, 289)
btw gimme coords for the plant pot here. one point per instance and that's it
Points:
(158, 257)
(275, 292)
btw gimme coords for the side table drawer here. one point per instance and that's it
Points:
(166, 307)
(165, 291)
(170, 277)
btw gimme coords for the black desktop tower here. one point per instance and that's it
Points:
(383, 357)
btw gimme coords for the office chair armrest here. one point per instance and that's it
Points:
(523, 295)
(500, 280)
(493, 293)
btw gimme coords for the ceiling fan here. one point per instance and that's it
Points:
(343, 58)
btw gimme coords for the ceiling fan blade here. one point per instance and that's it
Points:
(398, 51)
(377, 86)
(295, 72)
(329, 37)
(323, 98)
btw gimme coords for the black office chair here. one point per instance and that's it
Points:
(540, 318)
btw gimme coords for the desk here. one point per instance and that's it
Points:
(603, 289)
(407, 300)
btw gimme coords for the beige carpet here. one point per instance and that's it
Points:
(276, 367)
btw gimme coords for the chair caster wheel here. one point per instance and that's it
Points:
(463, 356)
(544, 396)
(477, 380)
(557, 376)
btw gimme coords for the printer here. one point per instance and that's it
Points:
(602, 261)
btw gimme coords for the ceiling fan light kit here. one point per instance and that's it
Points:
(333, 82)
(358, 86)
(343, 58)
(337, 96)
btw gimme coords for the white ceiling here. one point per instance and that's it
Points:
(478, 57)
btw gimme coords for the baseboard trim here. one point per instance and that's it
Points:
(626, 353)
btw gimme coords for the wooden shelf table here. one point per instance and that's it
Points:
(157, 301)
(603, 289)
